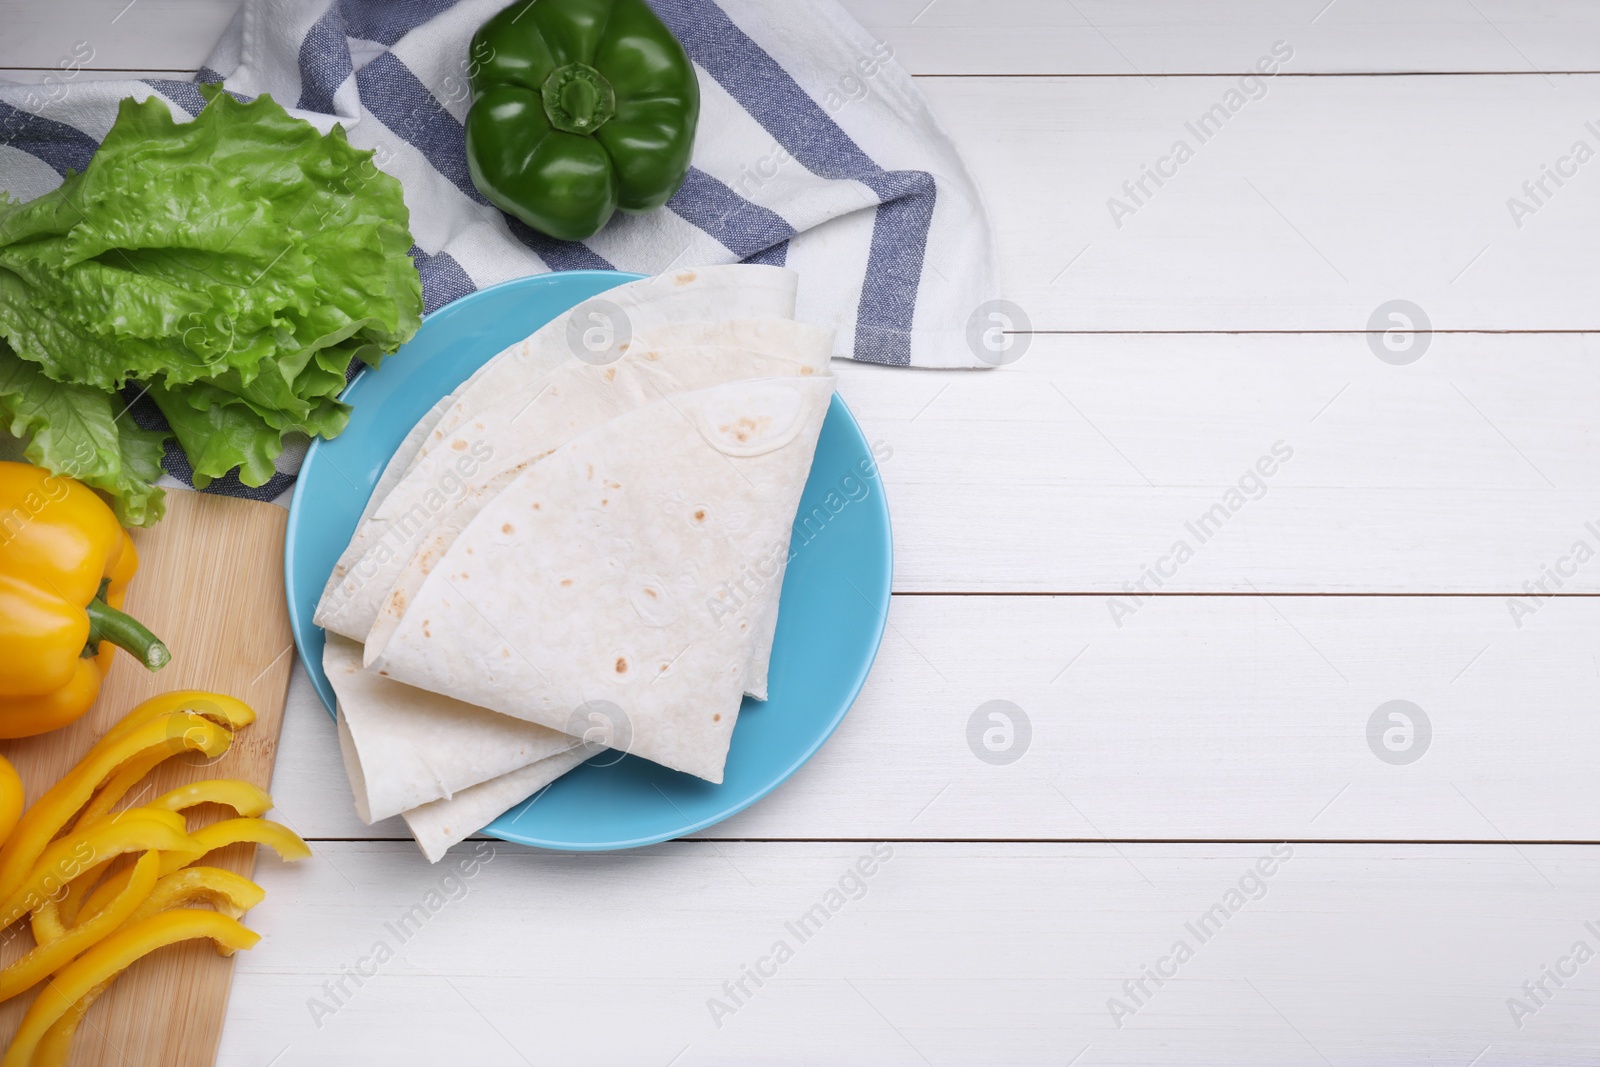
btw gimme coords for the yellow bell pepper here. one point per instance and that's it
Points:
(65, 564)
(174, 733)
(59, 998)
(50, 956)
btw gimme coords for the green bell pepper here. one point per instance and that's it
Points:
(579, 107)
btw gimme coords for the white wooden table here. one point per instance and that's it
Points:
(1183, 743)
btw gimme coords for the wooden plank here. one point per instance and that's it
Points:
(1084, 462)
(1099, 37)
(1157, 37)
(1200, 718)
(210, 583)
(948, 953)
(87, 34)
(1310, 208)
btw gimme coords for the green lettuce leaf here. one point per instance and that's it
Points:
(237, 263)
(219, 431)
(83, 433)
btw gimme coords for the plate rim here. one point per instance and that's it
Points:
(885, 536)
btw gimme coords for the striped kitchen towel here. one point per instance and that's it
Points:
(815, 150)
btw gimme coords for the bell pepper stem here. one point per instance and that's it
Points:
(106, 623)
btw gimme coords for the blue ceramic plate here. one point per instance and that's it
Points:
(831, 618)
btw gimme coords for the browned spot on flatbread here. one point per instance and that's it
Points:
(611, 374)
(651, 593)
(622, 665)
(717, 717)
(700, 515)
(566, 582)
(686, 277)
(742, 429)
(507, 528)
(458, 445)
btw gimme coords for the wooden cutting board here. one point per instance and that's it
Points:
(210, 584)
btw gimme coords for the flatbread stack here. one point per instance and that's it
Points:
(580, 549)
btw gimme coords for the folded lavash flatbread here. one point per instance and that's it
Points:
(608, 574)
(405, 747)
(443, 823)
(591, 330)
(432, 504)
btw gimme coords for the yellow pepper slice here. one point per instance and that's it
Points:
(135, 830)
(229, 893)
(56, 1046)
(111, 957)
(117, 786)
(220, 709)
(71, 901)
(232, 894)
(10, 798)
(241, 796)
(282, 840)
(52, 918)
(174, 733)
(42, 960)
(47, 924)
